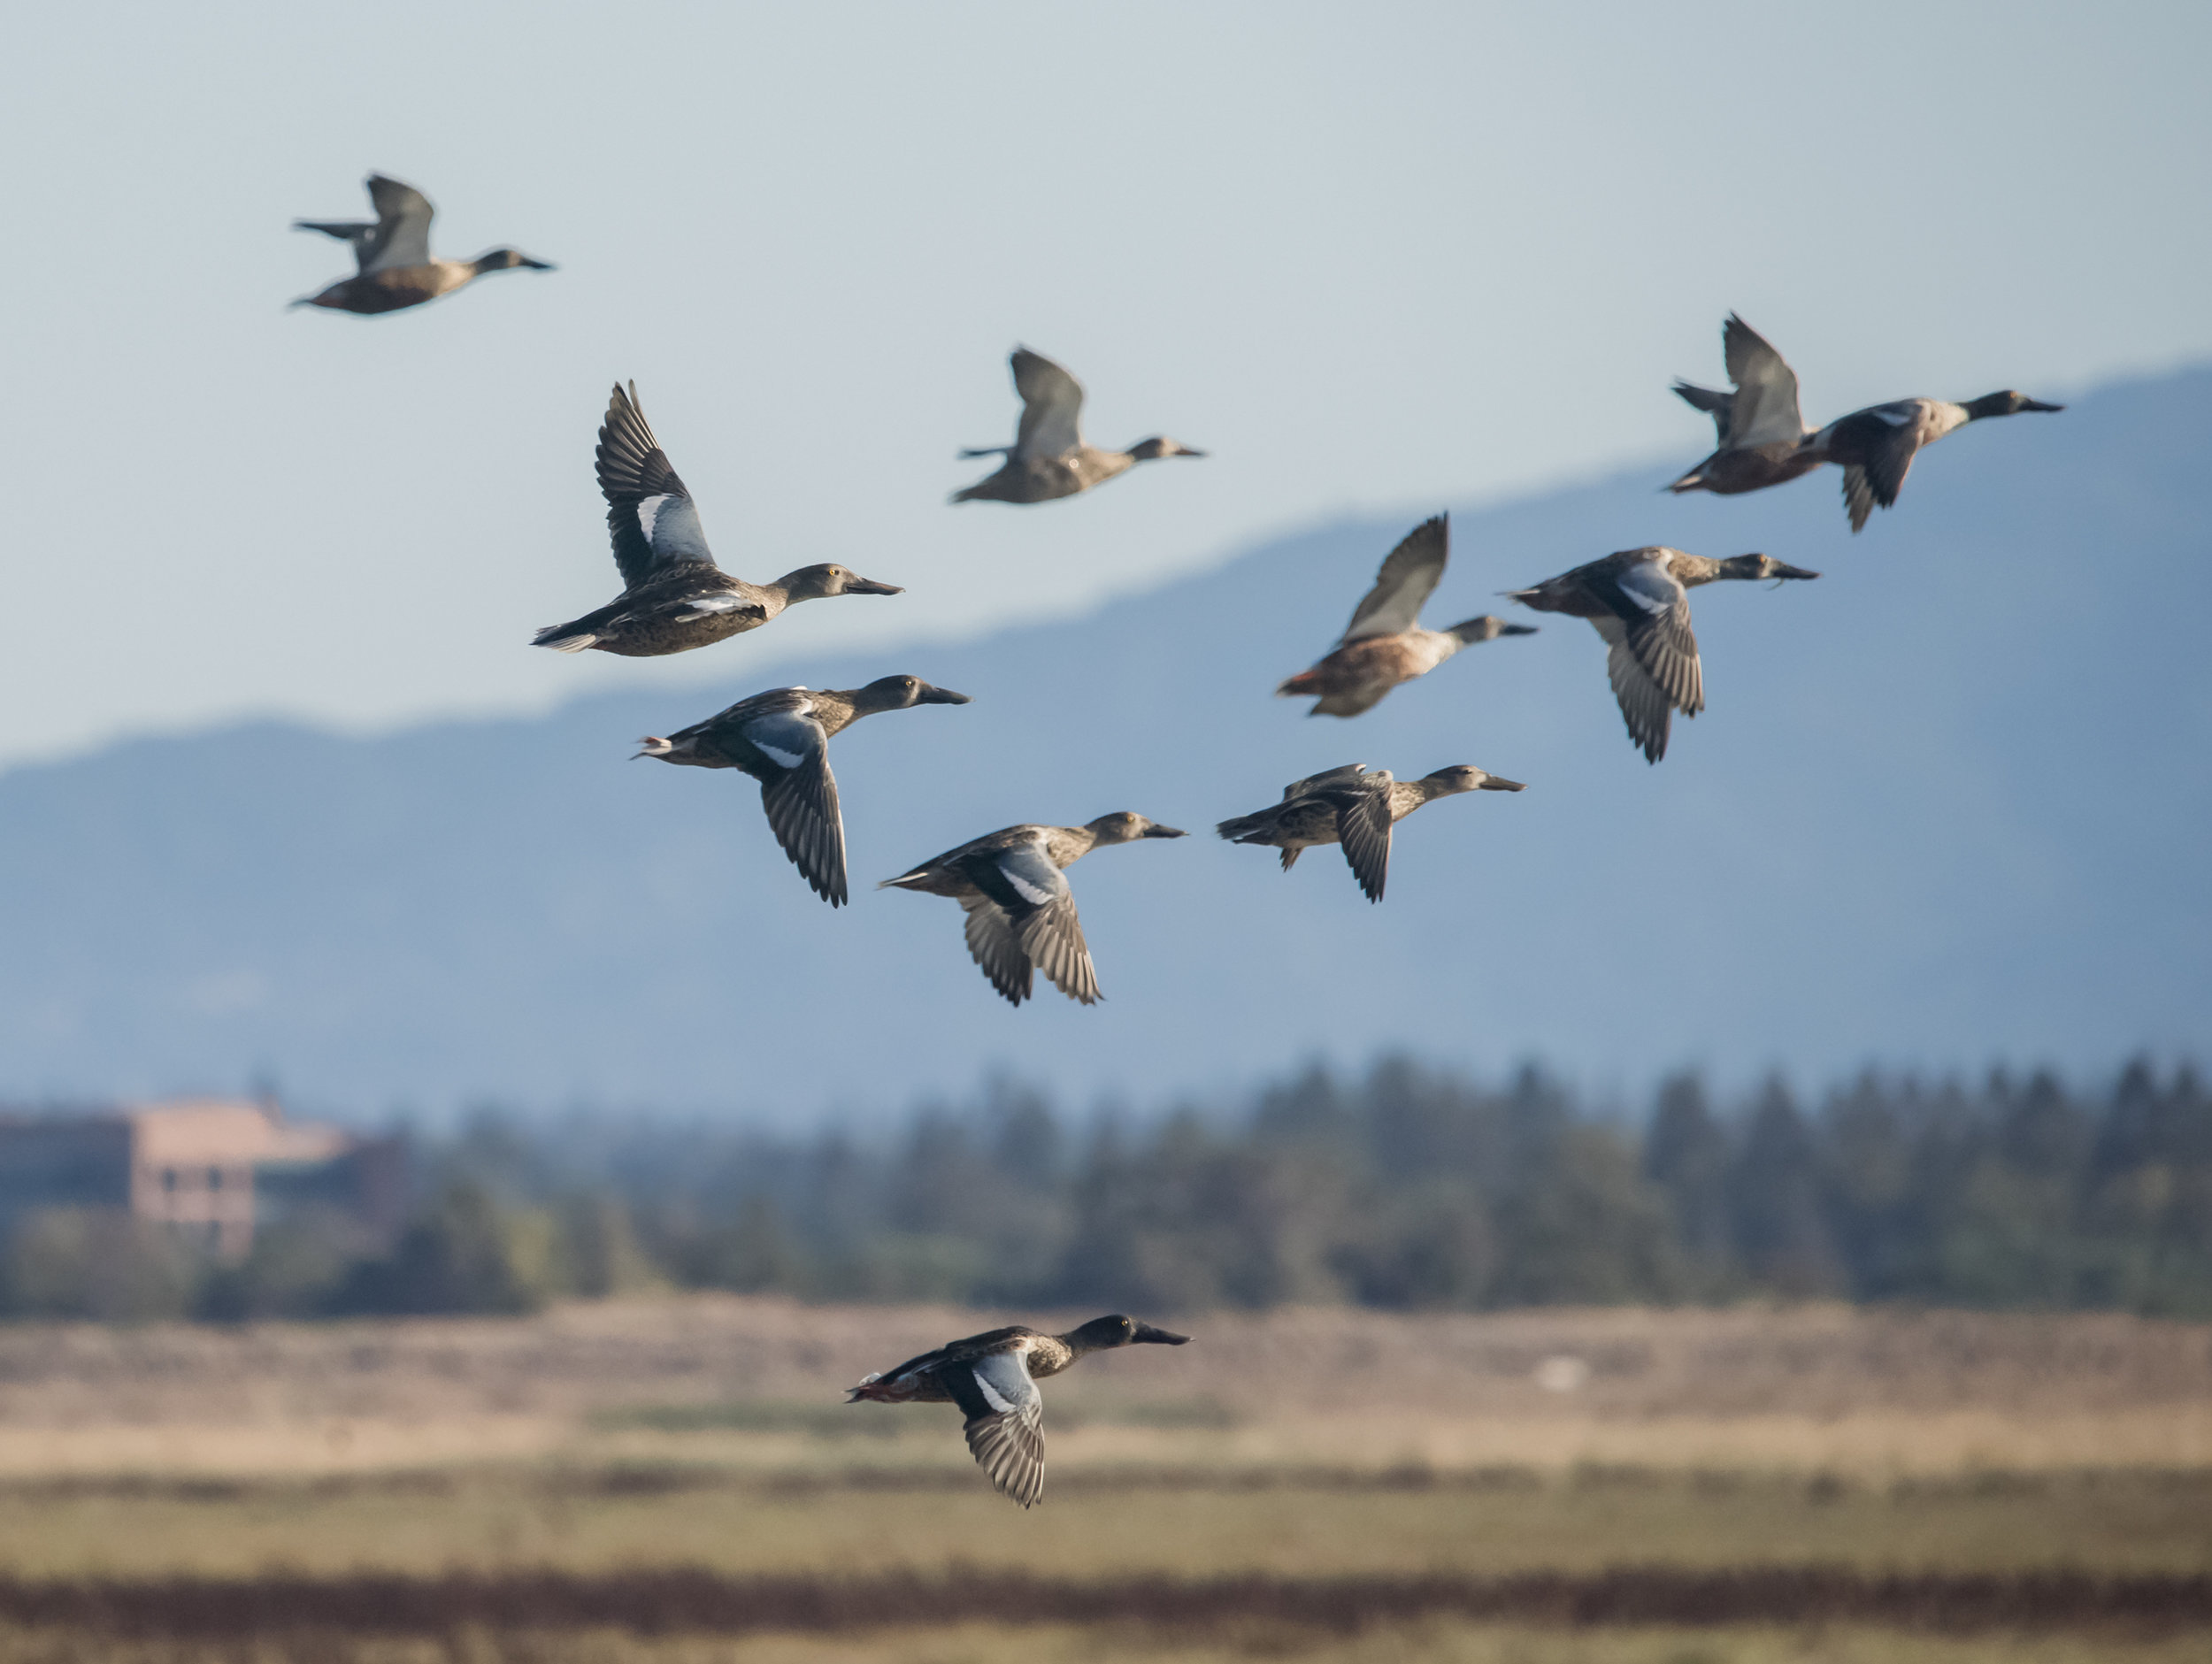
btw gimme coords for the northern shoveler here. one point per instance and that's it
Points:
(1049, 459)
(675, 597)
(1877, 445)
(781, 739)
(1385, 644)
(993, 1378)
(1638, 601)
(1021, 913)
(1758, 422)
(393, 254)
(1356, 808)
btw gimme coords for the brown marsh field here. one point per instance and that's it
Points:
(677, 1479)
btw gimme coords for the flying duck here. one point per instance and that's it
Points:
(1638, 601)
(1021, 913)
(1048, 457)
(1877, 445)
(781, 738)
(393, 253)
(993, 1378)
(1384, 644)
(1356, 809)
(1758, 422)
(675, 597)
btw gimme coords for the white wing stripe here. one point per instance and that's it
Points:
(1027, 890)
(649, 513)
(787, 759)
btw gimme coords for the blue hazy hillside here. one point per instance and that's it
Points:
(1951, 802)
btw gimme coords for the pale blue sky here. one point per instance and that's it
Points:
(1372, 256)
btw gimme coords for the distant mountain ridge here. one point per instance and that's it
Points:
(1949, 802)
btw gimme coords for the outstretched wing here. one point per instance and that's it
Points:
(1006, 1421)
(1644, 704)
(1653, 608)
(1040, 910)
(800, 795)
(361, 234)
(1765, 409)
(1052, 407)
(993, 944)
(650, 515)
(1363, 826)
(1715, 403)
(1409, 575)
(402, 237)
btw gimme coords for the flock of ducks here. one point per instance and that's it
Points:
(1012, 883)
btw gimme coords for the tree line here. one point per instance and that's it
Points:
(1403, 1187)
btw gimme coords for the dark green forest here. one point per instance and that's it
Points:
(1402, 1187)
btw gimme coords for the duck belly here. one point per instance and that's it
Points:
(652, 636)
(1757, 467)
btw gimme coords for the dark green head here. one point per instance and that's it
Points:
(1102, 1334)
(2005, 403)
(1754, 567)
(505, 259)
(1153, 450)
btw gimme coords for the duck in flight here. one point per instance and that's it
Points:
(1759, 427)
(1877, 445)
(1021, 913)
(1357, 809)
(1638, 600)
(393, 254)
(993, 1378)
(1385, 644)
(675, 597)
(781, 739)
(1048, 457)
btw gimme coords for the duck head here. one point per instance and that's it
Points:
(900, 693)
(1102, 1334)
(1758, 566)
(2005, 403)
(1464, 776)
(816, 583)
(505, 259)
(1153, 450)
(1125, 826)
(1486, 628)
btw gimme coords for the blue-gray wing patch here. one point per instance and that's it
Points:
(1005, 1421)
(650, 516)
(800, 795)
(1040, 912)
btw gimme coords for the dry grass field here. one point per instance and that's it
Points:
(678, 1480)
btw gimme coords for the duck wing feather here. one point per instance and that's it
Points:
(996, 948)
(1052, 408)
(789, 755)
(1714, 402)
(1040, 910)
(402, 237)
(1877, 446)
(1363, 826)
(1005, 1424)
(1408, 576)
(650, 516)
(1764, 411)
